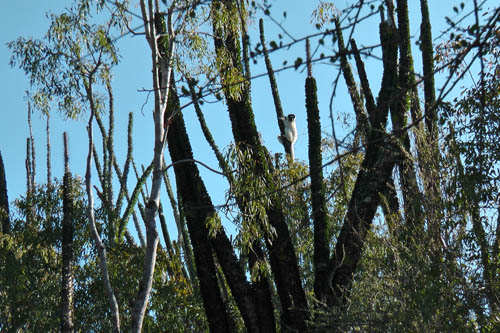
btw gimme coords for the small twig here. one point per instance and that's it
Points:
(189, 160)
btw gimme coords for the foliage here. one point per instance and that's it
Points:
(31, 273)
(388, 268)
(30, 258)
(74, 52)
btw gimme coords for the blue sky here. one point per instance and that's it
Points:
(27, 18)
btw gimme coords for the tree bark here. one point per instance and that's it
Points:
(428, 64)
(67, 246)
(318, 202)
(262, 302)
(197, 209)
(412, 196)
(49, 157)
(372, 181)
(4, 200)
(281, 252)
(156, 29)
(362, 123)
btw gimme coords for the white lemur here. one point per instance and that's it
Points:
(290, 133)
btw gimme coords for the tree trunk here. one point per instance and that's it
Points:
(318, 202)
(372, 181)
(197, 209)
(67, 246)
(281, 252)
(4, 200)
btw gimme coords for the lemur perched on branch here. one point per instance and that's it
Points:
(290, 133)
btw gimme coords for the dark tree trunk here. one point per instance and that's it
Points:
(372, 181)
(281, 252)
(67, 246)
(4, 200)
(196, 214)
(198, 210)
(318, 203)
(428, 64)
(412, 196)
(263, 304)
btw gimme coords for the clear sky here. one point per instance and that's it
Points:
(27, 18)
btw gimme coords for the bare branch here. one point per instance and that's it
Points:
(101, 250)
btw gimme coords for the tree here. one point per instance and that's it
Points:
(4, 199)
(67, 247)
(318, 245)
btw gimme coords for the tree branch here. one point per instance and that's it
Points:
(101, 250)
